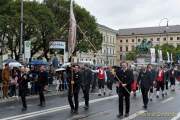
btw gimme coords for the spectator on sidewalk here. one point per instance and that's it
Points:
(13, 82)
(5, 78)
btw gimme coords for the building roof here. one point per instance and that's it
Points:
(107, 28)
(150, 30)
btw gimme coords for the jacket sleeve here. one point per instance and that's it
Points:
(139, 78)
(131, 77)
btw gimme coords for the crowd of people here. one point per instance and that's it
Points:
(150, 80)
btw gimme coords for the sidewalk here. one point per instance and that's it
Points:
(51, 92)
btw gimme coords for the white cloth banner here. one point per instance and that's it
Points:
(153, 55)
(168, 57)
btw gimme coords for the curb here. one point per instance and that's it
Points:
(13, 99)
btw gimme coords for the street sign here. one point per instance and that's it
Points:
(57, 45)
(27, 49)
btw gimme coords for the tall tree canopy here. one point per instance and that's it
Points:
(44, 22)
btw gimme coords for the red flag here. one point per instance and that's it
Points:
(72, 31)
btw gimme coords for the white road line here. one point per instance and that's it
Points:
(135, 115)
(176, 117)
(167, 100)
(55, 109)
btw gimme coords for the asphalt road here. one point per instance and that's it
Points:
(101, 108)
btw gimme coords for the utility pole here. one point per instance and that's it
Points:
(21, 35)
(1, 54)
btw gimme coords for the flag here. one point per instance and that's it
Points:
(171, 58)
(160, 56)
(72, 31)
(168, 58)
(153, 55)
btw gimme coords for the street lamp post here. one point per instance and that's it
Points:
(21, 35)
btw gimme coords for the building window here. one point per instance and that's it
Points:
(120, 49)
(151, 39)
(133, 47)
(132, 40)
(127, 40)
(121, 41)
(107, 39)
(164, 39)
(178, 38)
(120, 57)
(158, 39)
(139, 40)
(171, 38)
(127, 48)
(104, 38)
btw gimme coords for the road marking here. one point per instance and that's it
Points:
(135, 115)
(55, 109)
(167, 100)
(176, 117)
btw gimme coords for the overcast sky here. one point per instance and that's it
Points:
(118, 14)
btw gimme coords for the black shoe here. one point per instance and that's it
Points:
(24, 109)
(145, 107)
(120, 116)
(157, 96)
(86, 107)
(72, 111)
(42, 105)
(150, 99)
(104, 93)
(163, 95)
(126, 115)
(76, 112)
(99, 94)
(134, 94)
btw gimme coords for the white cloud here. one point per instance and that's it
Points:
(133, 13)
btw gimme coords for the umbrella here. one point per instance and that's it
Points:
(66, 64)
(38, 62)
(60, 69)
(15, 64)
(7, 61)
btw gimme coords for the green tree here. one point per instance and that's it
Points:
(85, 21)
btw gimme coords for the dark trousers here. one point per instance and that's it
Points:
(160, 84)
(109, 85)
(145, 95)
(85, 90)
(122, 93)
(23, 98)
(41, 94)
(13, 90)
(74, 105)
(172, 80)
(101, 83)
(167, 84)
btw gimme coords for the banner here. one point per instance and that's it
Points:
(27, 49)
(160, 56)
(153, 55)
(168, 58)
(72, 31)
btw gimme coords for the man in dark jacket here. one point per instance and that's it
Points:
(74, 87)
(124, 79)
(145, 82)
(23, 87)
(42, 85)
(86, 77)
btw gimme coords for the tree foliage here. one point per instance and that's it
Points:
(44, 22)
